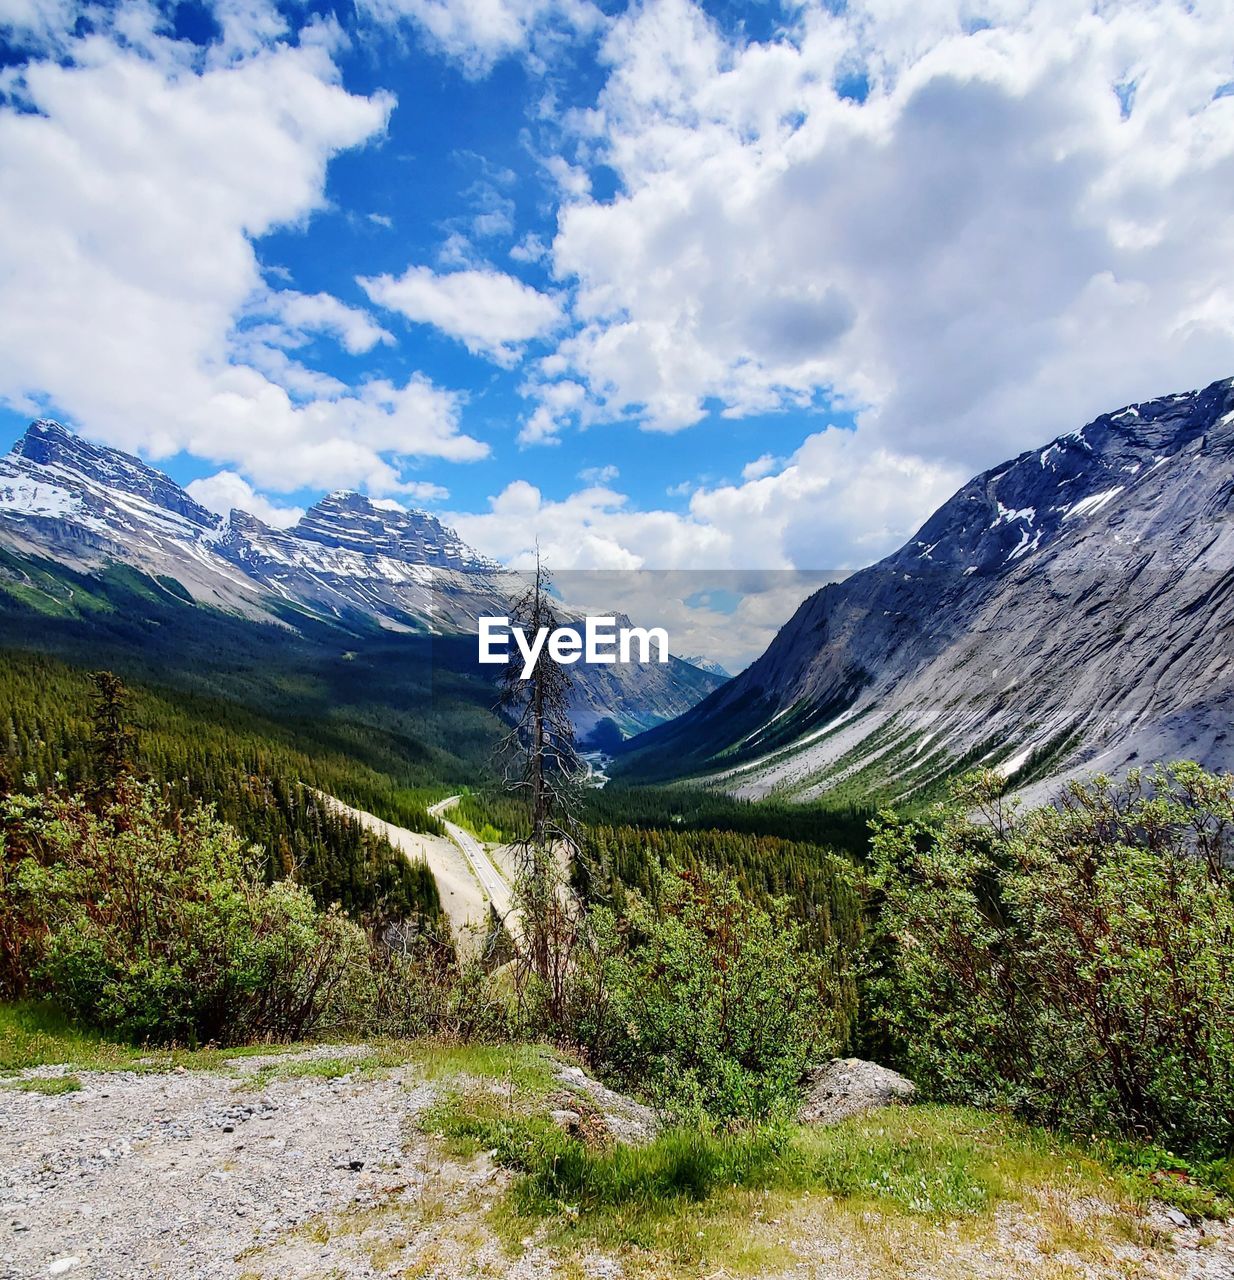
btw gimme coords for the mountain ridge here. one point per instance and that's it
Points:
(348, 561)
(1101, 551)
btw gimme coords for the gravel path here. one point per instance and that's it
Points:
(178, 1174)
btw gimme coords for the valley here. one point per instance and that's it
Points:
(819, 859)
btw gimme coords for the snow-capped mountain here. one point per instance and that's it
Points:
(707, 664)
(1070, 610)
(349, 559)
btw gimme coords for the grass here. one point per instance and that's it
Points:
(49, 1085)
(526, 1067)
(918, 1181)
(36, 1034)
(694, 1198)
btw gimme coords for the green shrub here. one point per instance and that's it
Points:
(1075, 962)
(712, 1004)
(160, 927)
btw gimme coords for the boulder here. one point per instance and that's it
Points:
(847, 1087)
(600, 1111)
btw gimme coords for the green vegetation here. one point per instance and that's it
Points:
(1074, 963)
(696, 1196)
(170, 876)
(709, 1004)
(51, 1086)
(162, 928)
(204, 750)
(35, 1033)
(620, 805)
(823, 889)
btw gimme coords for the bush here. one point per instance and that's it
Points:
(160, 927)
(1075, 962)
(423, 990)
(713, 1005)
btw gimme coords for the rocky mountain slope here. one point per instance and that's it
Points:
(349, 560)
(1070, 610)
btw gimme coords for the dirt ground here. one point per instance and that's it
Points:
(264, 1170)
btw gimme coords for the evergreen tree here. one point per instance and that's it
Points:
(112, 742)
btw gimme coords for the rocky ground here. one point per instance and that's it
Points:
(277, 1167)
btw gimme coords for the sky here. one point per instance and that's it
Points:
(665, 285)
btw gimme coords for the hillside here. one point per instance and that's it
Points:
(1068, 610)
(350, 563)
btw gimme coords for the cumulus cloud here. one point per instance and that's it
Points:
(303, 315)
(479, 33)
(226, 491)
(140, 170)
(491, 313)
(724, 575)
(761, 466)
(991, 240)
(599, 475)
(835, 505)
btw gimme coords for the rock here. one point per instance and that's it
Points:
(570, 1121)
(1177, 1217)
(847, 1087)
(623, 1118)
(61, 1265)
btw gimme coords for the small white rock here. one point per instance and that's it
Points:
(61, 1265)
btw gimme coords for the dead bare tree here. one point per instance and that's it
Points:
(539, 762)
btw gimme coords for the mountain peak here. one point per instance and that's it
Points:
(48, 444)
(47, 427)
(352, 521)
(45, 440)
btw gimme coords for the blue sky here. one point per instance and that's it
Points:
(665, 285)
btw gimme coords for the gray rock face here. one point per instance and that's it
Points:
(1070, 610)
(49, 449)
(623, 1118)
(351, 521)
(847, 1087)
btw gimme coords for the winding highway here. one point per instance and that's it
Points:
(495, 887)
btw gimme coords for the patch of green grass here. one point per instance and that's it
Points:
(49, 1085)
(1200, 1189)
(528, 1068)
(36, 1034)
(379, 1057)
(33, 1034)
(688, 1195)
(940, 1162)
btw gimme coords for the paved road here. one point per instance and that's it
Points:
(491, 880)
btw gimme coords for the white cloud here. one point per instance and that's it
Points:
(765, 544)
(599, 475)
(558, 404)
(983, 253)
(138, 175)
(226, 490)
(479, 33)
(835, 505)
(303, 314)
(531, 248)
(491, 313)
(760, 467)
